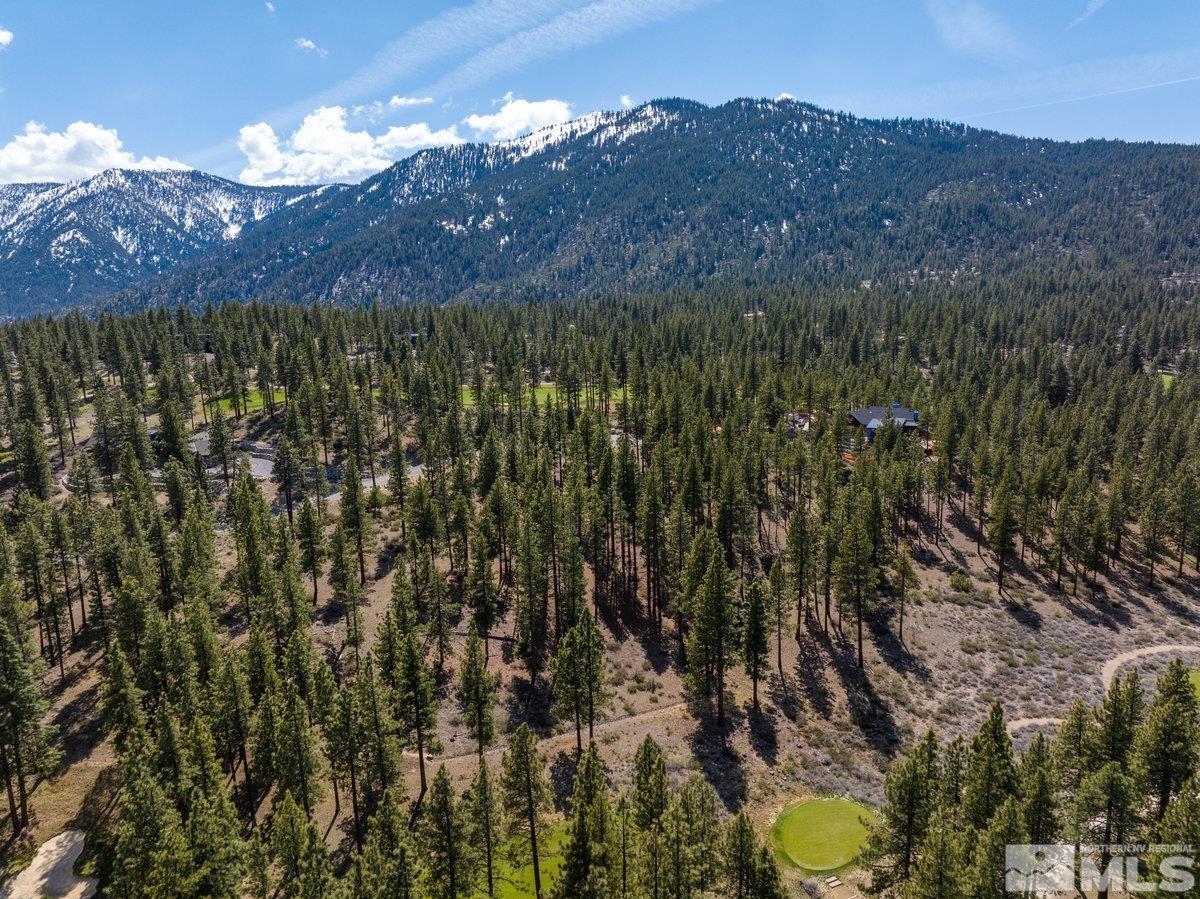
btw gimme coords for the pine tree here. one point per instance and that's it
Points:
(486, 821)
(1166, 747)
(991, 775)
(299, 853)
(477, 693)
(480, 589)
(756, 637)
(940, 868)
(297, 767)
(1106, 810)
(903, 577)
(651, 790)
(526, 797)
(713, 636)
(778, 607)
(895, 837)
(587, 859)
(578, 676)
(450, 857)
(986, 877)
(355, 518)
(854, 574)
(311, 537)
(25, 741)
(416, 703)
(1039, 802)
(220, 443)
(33, 463)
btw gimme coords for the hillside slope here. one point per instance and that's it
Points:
(63, 244)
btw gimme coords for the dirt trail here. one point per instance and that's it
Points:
(1109, 671)
(52, 871)
(1107, 674)
(551, 741)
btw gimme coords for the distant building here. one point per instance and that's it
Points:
(872, 418)
(799, 423)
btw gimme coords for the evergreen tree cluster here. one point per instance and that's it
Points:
(1121, 774)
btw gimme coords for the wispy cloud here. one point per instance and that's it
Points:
(571, 30)
(307, 45)
(270, 6)
(970, 28)
(6, 37)
(1134, 89)
(461, 29)
(970, 98)
(1092, 8)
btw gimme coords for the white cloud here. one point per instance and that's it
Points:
(80, 151)
(377, 109)
(970, 28)
(324, 149)
(571, 30)
(518, 116)
(1092, 8)
(627, 101)
(270, 6)
(307, 45)
(784, 95)
(6, 37)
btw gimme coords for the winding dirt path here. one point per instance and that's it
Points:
(1108, 673)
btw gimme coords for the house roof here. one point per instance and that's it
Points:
(873, 417)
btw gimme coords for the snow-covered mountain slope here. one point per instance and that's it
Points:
(677, 195)
(671, 195)
(63, 244)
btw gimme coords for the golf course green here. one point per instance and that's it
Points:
(820, 835)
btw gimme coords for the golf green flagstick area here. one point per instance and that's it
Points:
(821, 835)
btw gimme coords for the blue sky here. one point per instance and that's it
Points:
(300, 90)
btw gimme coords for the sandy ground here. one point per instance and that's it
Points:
(51, 872)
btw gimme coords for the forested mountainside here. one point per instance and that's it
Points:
(675, 194)
(61, 245)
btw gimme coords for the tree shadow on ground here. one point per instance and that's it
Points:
(764, 733)
(714, 753)
(562, 769)
(894, 654)
(80, 727)
(869, 712)
(782, 695)
(529, 703)
(810, 672)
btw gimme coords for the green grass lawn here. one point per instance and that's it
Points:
(542, 392)
(517, 883)
(254, 401)
(1167, 379)
(1194, 674)
(820, 835)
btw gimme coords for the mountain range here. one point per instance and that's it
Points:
(63, 245)
(670, 195)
